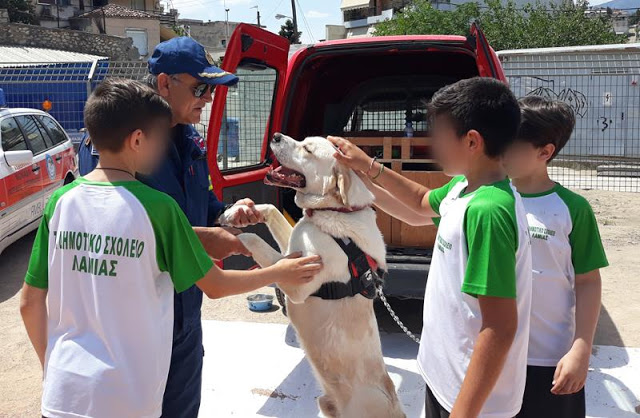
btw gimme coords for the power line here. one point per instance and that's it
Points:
(275, 8)
(306, 24)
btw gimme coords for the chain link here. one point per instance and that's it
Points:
(383, 298)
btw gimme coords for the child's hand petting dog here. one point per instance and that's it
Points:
(350, 155)
(295, 269)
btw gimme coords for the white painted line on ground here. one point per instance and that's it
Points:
(253, 369)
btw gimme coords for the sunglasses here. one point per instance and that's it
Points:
(199, 90)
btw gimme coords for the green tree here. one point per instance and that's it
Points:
(422, 18)
(288, 31)
(20, 11)
(634, 19)
(507, 26)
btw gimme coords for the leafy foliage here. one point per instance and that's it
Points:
(506, 25)
(634, 19)
(287, 30)
(20, 11)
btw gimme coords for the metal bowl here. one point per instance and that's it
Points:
(260, 302)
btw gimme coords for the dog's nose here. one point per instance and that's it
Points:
(277, 137)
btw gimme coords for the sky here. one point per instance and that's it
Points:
(317, 13)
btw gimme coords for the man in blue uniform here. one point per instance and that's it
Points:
(87, 155)
(183, 73)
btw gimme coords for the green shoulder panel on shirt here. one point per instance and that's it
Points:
(38, 270)
(436, 196)
(178, 249)
(491, 230)
(587, 252)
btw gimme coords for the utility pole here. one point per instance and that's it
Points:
(226, 42)
(295, 19)
(104, 21)
(258, 13)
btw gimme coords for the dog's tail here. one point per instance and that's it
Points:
(374, 401)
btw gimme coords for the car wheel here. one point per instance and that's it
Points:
(68, 179)
(282, 300)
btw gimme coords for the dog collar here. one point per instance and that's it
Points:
(310, 212)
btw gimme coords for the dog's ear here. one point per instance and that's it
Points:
(343, 182)
(329, 183)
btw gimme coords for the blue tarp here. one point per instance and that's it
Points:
(64, 85)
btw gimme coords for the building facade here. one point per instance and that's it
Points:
(213, 35)
(115, 20)
(58, 13)
(360, 16)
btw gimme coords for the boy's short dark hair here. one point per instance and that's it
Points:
(119, 106)
(482, 104)
(545, 121)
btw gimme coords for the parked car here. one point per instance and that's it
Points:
(371, 90)
(36, 158)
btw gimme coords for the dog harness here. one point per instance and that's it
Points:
(365, 273)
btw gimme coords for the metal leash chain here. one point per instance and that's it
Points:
(383, 298)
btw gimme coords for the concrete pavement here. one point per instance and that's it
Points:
(258, 370)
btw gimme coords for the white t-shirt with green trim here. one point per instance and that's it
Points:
(110, 255)
(482, 249)
(565, 241)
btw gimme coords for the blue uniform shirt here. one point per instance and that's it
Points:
(184, 175)
(87, 156)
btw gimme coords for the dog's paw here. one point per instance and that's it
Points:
(250, 240)
(267, 210)
(230, 217)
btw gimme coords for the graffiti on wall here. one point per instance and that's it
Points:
(575, 99)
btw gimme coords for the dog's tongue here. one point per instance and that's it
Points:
(283, 176)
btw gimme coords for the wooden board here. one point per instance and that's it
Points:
(384, 224)
(419, 236)
(395, 141)
(397, 233)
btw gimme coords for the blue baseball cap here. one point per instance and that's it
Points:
(184, 55)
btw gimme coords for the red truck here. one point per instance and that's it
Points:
(371, 90)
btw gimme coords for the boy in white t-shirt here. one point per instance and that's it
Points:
(567, 254)
(473, 348)
(97, 301)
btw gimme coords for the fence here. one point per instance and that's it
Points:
(601, 86)
(67, 86)
(64, 85)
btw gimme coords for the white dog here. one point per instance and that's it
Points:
(339, 336)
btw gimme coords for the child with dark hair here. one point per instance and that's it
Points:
(567, 254)
(473, 348)
(107, 257)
